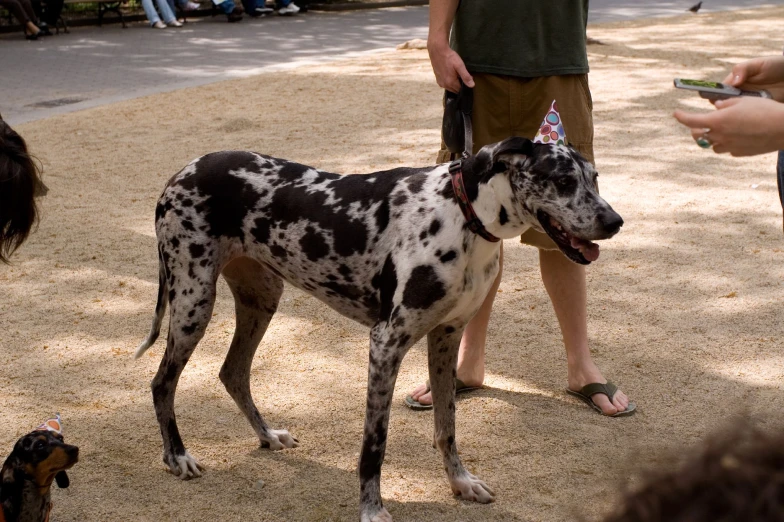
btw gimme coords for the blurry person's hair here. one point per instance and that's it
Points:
(20, 183)
(735, 475)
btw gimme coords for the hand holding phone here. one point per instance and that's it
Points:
(715, 90)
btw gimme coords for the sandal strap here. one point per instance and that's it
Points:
(609, 389)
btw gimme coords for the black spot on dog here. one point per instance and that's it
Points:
(228, 197)
(278, 251)
(345, 271)
(292, 171)
(382, 216)
(314, 245)
(187, 225)
(174, 242)
(449, 329)
(196, 250)
(188, 329)
(416, 183)
(435, 226)
(503, 218)
(400, 199)
(449, 256)
(261, 230)
(423, 288)
(386, 283)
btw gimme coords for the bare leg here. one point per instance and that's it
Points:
(565, 284)
(471, 356)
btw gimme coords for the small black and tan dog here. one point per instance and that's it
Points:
(37, 459)
(20, 184)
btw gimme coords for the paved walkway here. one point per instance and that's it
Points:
(99, 65)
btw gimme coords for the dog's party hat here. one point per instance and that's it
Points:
(552, 130)
(54, 425)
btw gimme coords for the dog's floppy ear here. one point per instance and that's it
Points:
(514, 145)
(62, 479)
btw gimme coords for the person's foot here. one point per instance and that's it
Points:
(158, 25)
(471, 379)
(264, 10)
(588, 373)
(235, 15)
(289, 9)
(174, 23)
(191, 6)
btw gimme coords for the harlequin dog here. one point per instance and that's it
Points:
(407, 252)
(37, 459)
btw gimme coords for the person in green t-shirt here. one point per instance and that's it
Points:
(519, 56)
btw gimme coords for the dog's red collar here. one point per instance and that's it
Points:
(473, 222)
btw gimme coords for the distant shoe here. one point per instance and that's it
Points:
(235, 16)
(289, 9)
(174, 23)
(159, 25)
(264, 10)
(191, 6)
(44, 29)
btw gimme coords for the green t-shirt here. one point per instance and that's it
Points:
(526, 38)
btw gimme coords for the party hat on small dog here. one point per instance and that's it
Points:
(54, 425)
(551, 131)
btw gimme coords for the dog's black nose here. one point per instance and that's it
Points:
(611, 222)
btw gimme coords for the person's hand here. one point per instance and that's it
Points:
(742, 126)
(760, 73)
(448, 67)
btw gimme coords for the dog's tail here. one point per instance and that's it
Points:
(160, 310)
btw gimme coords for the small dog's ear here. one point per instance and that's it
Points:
(62, 480)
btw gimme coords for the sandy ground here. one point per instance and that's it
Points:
(683, 303)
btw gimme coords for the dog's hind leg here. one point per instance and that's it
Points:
(443, 343)
(256, 294)
(191, 299)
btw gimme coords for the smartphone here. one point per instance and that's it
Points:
(716, 90)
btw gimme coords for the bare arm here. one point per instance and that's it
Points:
(447, 64)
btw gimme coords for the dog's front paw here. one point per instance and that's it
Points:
(469, 487)
(278, 440)
(377, 516)
(184, 467)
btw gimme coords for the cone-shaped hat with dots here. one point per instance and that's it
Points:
(54, 424)
(551, 131)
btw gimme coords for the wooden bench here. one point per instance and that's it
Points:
(104, 6)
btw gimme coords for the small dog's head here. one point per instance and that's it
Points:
(554, 190)
(41, 456)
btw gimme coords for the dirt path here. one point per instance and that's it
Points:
(684, 304)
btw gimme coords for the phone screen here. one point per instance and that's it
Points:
(700, 83)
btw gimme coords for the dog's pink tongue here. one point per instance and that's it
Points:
(588, 249)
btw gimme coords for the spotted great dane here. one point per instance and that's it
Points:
(392, 250)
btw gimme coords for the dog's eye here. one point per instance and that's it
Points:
(565, 182)
(39, 445)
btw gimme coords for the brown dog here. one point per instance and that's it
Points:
(38, 458)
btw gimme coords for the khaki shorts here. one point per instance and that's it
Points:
(507, 106)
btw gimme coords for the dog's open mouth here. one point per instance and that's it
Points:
(578, 250)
